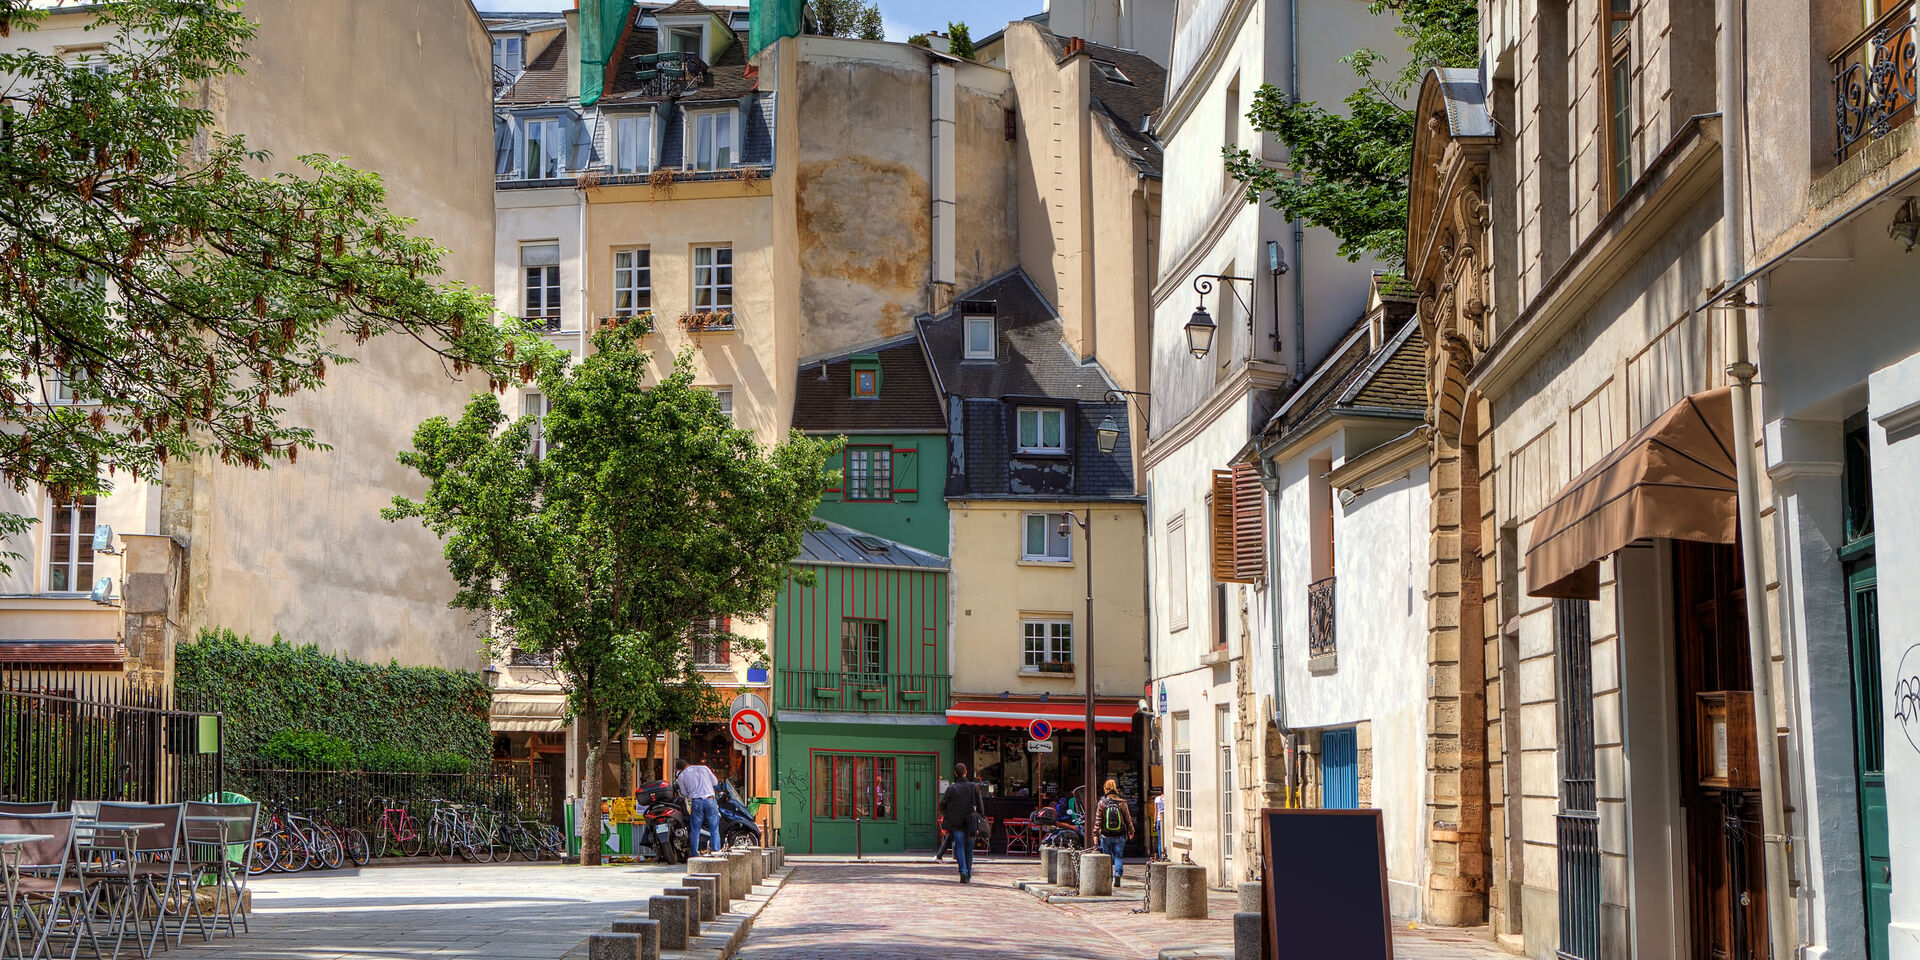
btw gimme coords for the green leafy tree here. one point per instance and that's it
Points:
(650, 512)
(846, 18)
(1348, 172)
(149, 273)
(959, 40)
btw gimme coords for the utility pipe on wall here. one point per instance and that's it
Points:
(1732, 56)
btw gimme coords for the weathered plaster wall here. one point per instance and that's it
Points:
(546, 214)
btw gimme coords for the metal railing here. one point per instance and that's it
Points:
(348, 793)
(669, 74)
(1873, 81)
(836, 691)
(1320, 622)
(69, 735)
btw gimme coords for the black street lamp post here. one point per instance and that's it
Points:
(1086, 650)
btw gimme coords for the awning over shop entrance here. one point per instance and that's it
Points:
(544, 712)
(1674, 479)
(1065, 713)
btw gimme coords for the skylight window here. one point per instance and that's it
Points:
(1111, 72)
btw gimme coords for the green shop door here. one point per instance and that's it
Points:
(917, 800)
(1863, 609)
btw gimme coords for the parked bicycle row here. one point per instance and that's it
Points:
(295, 837)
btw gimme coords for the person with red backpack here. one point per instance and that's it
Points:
(1114, 822)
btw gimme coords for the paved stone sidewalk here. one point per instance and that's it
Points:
(518, 911)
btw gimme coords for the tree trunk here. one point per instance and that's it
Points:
(590, 788)
(626, 761)
(651, 734)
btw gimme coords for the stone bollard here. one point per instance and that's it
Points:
(671, 915)
(1246, 936)
(1067, 865)
(692, 896)
(716, 866)
(1186, 891)
(1047, 857)
(647, 930)
(1157, 886)
(710, 903)
(1252, 895)
(739, 875)
(616, 946)
(779, 857)
(1096, 875)
(766, 862)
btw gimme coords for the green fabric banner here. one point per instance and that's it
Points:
(771, 20)
(601, 23)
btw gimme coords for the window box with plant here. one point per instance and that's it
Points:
(706, 321)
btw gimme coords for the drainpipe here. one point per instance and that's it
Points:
(1299, 228)
(1270, 480)
(1740, 369)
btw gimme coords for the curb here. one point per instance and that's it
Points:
(1048, 893)
(1201, 951)
(721, 937)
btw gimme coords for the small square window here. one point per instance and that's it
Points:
(1042, 540)
(1046, 646)
(1043, 430)
(979, 338)
(864, 384)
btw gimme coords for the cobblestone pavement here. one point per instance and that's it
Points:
(519, 911)
(906, 908)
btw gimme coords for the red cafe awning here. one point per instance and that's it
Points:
(1065, 713)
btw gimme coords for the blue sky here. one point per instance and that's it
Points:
(904, 18)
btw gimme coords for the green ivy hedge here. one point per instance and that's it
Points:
(294, 706)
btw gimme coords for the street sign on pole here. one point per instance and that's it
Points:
(1039, 746)
(1038, 729)
(748, 726)
(747, 701)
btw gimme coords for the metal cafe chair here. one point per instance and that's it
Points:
(20, 806)
(155, 861)
(211, 831)
(50, 889)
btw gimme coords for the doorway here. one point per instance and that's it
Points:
(1227, 798)
(1339, 770)
(1726, 895)
(1869, 730)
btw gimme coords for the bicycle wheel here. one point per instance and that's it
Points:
(262, 856)
(440, 839)
(325, 842)
(480, 838)
(295, 856)
(522, 841)
(357, 849)
(552, 841)
(407, 839)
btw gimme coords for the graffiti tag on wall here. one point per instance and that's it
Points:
(1906, 696)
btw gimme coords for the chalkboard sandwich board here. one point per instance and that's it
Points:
(1325, 883)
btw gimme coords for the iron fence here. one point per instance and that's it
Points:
(347, 797)
(852, 692)
(72, 735)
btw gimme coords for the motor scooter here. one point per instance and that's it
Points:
(667, 836)
(738, 828)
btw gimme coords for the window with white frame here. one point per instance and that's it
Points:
(711, 144)
(70, 546)
(632, 282)
(1177, 571)
(633, 143)
(60, 389)
(712, 279)
(541, 148)
(1043, 430)
(540, 265)
(686, 40)
(1041, 539)
(1182, 772)
(725, 396)
(509, 54)
(535, 405)
(979, 338)
(1046, 646)
(711, 651)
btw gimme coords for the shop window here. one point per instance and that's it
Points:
(846, 786)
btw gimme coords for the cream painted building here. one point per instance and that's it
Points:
(1213, 642)
(301, 550)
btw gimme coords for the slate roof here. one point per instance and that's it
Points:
(544, 80)
(846, 546)
(726, 77)
(1032, 355)
(908, 401)
(1125, 106)
(1357, 381)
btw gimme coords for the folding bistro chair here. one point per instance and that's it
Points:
(51, 891)
(155, 863)
(1019, 835)
(210, 844)
(20, 806)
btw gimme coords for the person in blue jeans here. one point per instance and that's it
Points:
(1114, 823)
(957, 806)
(696, 783)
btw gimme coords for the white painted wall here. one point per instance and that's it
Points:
(1896, 461)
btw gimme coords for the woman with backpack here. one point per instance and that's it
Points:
(1115, 823)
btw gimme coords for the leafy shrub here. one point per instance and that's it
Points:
(308, 750)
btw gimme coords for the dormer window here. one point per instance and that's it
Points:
(509, 55)
(979, 338)
(1111, 72)
(685, 40)
(542, 149)
(1043, 430)
(633, 143)
(866, 376)
(712, 145)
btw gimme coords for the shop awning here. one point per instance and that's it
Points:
(544, 712)
(1673, 479)
(1065, 713)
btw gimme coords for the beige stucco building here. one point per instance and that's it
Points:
(301, 551)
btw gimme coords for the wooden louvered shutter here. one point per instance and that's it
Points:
(1220, 508)
(726, 647)
(1249, 524)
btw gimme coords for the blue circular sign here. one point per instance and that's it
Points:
(1039, 730)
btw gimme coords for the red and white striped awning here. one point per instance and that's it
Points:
(1065, 713)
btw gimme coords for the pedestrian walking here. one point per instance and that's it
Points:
(696, 783)
(962, 815)
(1115, 825)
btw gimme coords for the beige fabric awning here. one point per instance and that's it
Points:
(543, 712)
(1673, 479)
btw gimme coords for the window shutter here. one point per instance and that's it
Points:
(726, 646)
(1249, 524)
(836, 481)
(1221, 517)
(502, 146)
(581, 138)
(906, 472)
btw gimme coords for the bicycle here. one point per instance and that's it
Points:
(449, 832)
(522, 837)
(299, 834)
(395, 832)
(352, 840)
(264, 855)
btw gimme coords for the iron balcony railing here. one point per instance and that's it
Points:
(1320, 631)
(1873, 81)
(835, 691)
(668, 74)
(542, 324)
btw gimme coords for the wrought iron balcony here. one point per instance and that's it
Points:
(668, 74)
(542, 324)
(642, 317)
(1873, 82)
(835, 691)
(1320, 632)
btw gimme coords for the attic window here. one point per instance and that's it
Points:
(686, 41)
(979, 338)
(870, 544)
(1111, 72)
(866, 376)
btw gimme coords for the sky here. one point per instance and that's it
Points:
(903, 18)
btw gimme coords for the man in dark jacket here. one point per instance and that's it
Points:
(957, 807)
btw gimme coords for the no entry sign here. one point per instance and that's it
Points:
(1039, 729)
(748, 726)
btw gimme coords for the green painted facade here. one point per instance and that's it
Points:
(861, 689)
(917, 513)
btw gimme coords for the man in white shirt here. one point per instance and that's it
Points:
(696, 783)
